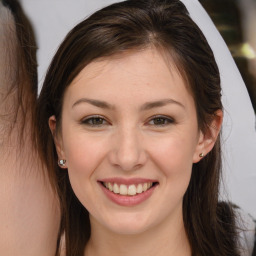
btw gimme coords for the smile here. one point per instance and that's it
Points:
(130, 190)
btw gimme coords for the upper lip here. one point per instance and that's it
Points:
(124, 181)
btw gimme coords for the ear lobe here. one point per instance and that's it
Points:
(57, 139)
(207, 139)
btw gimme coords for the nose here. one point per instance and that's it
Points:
(127, 152)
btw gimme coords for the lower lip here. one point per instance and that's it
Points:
(128, 200)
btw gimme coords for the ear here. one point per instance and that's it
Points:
(207, 139)
(57, 140)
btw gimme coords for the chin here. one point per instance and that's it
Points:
(129, 229)
(128, 224)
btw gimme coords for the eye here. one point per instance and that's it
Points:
(94, 121)
(160, 121)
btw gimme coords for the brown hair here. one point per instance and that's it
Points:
(136, 25)
(19, 72)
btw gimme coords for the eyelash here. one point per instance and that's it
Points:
(93, 121)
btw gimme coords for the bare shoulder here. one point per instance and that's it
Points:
(29, 216)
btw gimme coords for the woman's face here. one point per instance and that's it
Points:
(130, 136)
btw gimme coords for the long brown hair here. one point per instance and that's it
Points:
(138, 24)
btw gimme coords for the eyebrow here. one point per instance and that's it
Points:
(144, 107)
(96, 103)
(159, 103)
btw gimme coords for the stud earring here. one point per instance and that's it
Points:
(62, 162)
(201, 155)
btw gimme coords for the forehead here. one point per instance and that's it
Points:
(145, 72)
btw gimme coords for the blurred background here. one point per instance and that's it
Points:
(236, 21)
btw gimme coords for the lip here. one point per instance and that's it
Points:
(128, 200)
(131, 181)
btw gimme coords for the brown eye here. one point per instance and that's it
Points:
(94, 121)
(160, 121)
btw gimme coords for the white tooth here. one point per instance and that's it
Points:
(105, 184)
(123, 189)
(149, 185)
(110, 187)
(116, 189)
(132, 190)
(139, 189)
(145, 187)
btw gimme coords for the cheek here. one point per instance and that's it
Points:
(174, 158)
(83, 154)
(173, 155)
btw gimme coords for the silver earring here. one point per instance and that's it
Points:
(62, 162)
(201, 155)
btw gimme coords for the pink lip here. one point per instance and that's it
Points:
(127, 200)
(131, 181)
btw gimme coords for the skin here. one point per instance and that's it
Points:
(130, 142)
(29, 215)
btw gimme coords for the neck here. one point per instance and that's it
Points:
(168, 238)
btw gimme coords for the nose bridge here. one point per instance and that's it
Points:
(128, 152)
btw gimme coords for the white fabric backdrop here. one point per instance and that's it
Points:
(52, 19)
